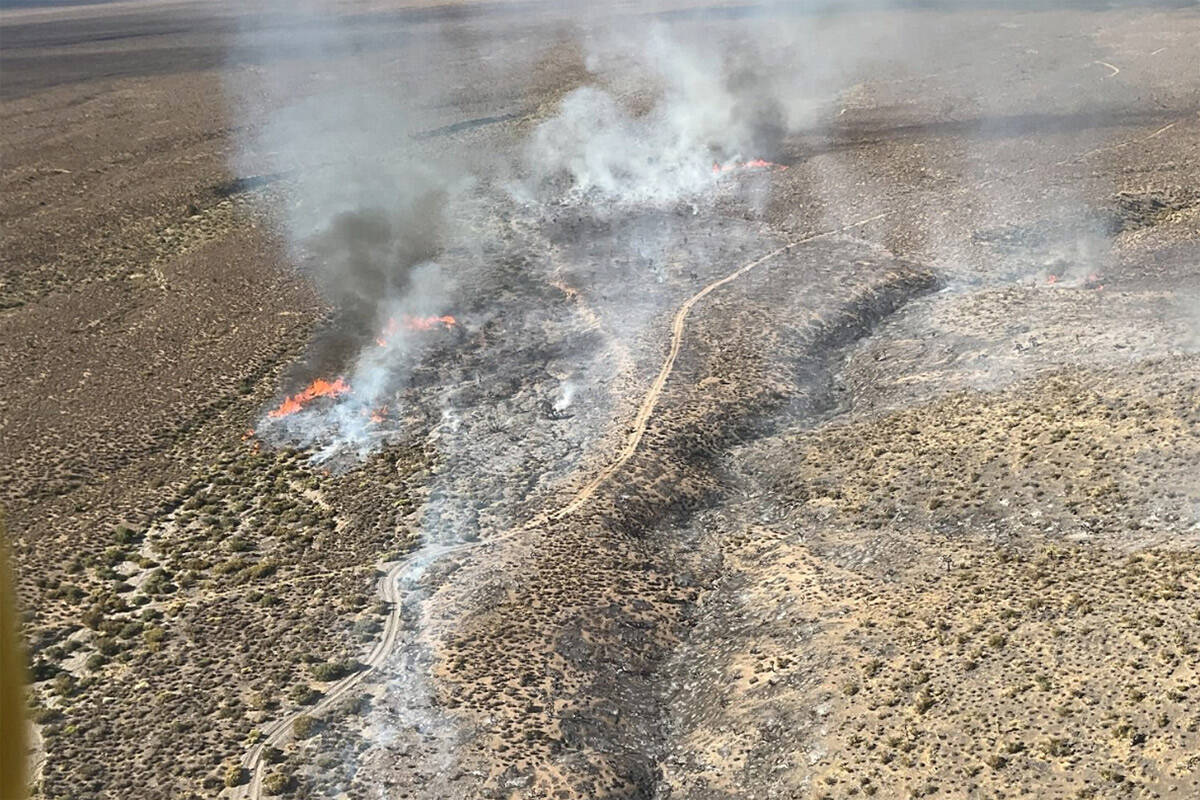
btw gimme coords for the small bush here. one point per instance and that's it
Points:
(154, 636)
(43, 670)
(334, 670)
(44, 716)
(277, 783)
(64, 684)
(367, 626)
(305, 726)
(1057, 747)
(93, 617)
(125, 535)
(303, 694)
(238, 544)
(236, 775)
(108, 646)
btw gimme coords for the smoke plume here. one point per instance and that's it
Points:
(364, 212)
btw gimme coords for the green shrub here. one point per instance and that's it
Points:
(64, 684)
(238, 544)
(113, 556)
(93, 616)
(230, 566)
(236, 775)
(304, 695)
(334, 670)
(42, 670)
(44, 716)
(305, 726)
(367, 626)
(108, 646)
(277, 783)
(125, 535)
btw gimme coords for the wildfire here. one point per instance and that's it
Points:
(413, 324)
(338, 387)
(429, 323)
(754, 164)
(318, 388)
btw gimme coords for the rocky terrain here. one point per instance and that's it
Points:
(867, 470)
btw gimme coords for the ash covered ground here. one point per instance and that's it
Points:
(781, 400)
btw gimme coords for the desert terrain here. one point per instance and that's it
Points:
(532, 400)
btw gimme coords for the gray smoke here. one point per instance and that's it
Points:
(365, 213)
(672, 106)
(608, 149)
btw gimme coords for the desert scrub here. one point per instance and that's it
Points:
(263, 569)
(1056, 747)
(304, 695)
(305, 726)
(277, 783)
(236, 775)
(334, 670)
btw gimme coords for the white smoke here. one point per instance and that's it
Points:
(365, 212)
(566, 395)
(607, 150)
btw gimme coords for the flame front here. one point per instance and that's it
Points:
(428, 323)
(338, 387)
(753, 164)
(318, 388)
(412, 324)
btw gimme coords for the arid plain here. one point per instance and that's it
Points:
(866, 465)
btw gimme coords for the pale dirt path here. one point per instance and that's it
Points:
(279, 732)
(678, 323)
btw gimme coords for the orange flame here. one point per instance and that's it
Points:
(756, 163)
(318, 388)
(413, 324)
(428, 323)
